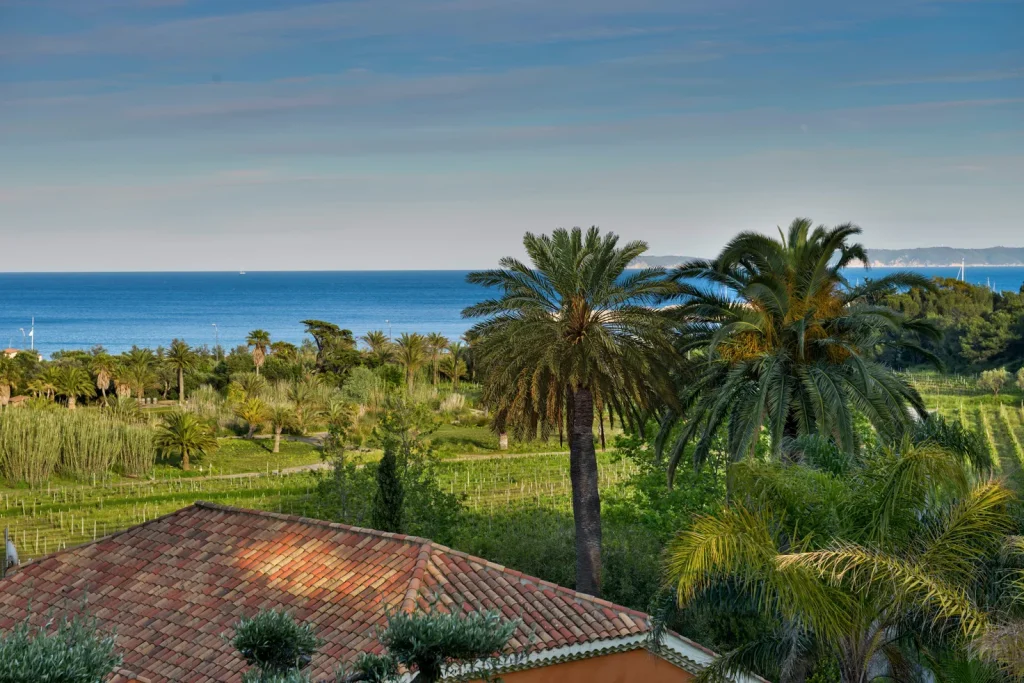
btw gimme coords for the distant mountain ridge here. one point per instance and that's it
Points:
(918, 257)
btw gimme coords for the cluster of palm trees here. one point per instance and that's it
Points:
(752, 352)
(414, 352)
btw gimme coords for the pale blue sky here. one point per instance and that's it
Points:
(258, 134)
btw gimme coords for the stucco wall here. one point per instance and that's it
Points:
(636, 666)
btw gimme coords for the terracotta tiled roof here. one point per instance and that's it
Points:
(171, 587)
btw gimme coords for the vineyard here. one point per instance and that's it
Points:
(999, 419)
(45, 519)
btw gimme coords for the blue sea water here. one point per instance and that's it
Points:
(117, 310)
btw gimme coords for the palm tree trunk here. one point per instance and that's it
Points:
(185, 465)
(181, 387)
(71, 402)
(277, 440)
(586, 500)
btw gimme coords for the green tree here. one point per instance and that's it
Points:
(336, 348)
(259, 342)
(275, 644)
(182, 359)
(776, 337)
(381, 349)
(453, 366)
(994, 380)
(389, 497)
(76, 651)
(306, 397)
(10, 373)
(436, 345)
(72, 382)
(281, 416)
(184, 435)
(103, 367)
(856, 568)
(571, 326)
(1020, 379)
(254, 412)
(411, 353)
(429, 643)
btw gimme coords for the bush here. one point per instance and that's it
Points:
(275, 643)
(76, 652)
(993, 380)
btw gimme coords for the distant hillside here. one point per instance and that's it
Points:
(648, 261)
(920, 257)
(947, 256)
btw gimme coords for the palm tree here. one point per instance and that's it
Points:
(72, 382)
(885, 554)
(569, 326)
(281, 417)
(184, 435)
(436, 344)
(247, 385)
(182, 359)
(103, 366)
(253, 412)
(305, 397)
(137, 371)
(259, 342)
(10, 373)
(453, 366)
(381, 348)
(411, 351)
(777, 337)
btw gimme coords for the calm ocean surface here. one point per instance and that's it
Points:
(117, 310)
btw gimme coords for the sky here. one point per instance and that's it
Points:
(431, 134)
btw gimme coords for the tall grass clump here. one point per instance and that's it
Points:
(137, 455)
(30, 444)
(35, 445)
(89, 445)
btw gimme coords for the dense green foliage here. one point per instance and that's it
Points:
(65, 651)
(274, 643)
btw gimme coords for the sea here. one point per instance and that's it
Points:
(54, 311)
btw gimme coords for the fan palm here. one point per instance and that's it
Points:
(436, 345)
(777, 337)
(411, 353)
(568, 327)
(281, 416)
(185, 435)
(71, 382)
(253, 411)
(259, 343)
(381, 348)
(103, 366)
(10, 373)
(182, 359)
(864, 564)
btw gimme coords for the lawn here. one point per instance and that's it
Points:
(244, 455)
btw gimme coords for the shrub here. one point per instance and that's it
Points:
(275, 643)
(1020, 379)
(76, 652)
(994, 380)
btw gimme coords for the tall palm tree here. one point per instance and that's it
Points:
(411, 353)
(182, 359)
(259, 342)
(777, 337)
(254, 412)
(436, 345)
(453, 366)
(382, 350)
(10, 373)
(103, 366)
(185, 435)
(72, 382)
(882, 555)
(281, 416)
(567, 326)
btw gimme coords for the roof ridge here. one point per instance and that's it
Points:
(416, 540)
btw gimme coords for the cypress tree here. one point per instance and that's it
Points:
(389, 498)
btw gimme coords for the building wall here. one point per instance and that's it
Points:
(635, 666)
